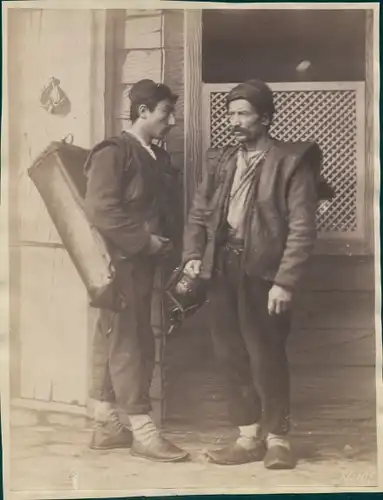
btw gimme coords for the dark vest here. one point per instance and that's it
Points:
(267, 222)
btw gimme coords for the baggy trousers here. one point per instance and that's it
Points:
(249, 346)
(123, 344)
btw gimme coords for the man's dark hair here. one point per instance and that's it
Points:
(257, 93)
(148, 93)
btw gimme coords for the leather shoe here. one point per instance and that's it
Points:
(279, 457)
(235, 454)
(109, 437)
(158, 449)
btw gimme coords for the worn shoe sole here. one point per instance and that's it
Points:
(110, 447)
(279, 458)
(277, 465)
(154, 459)
(239, 456)
(247, 460)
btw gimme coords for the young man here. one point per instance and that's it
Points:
(128, 199)
(251, 230)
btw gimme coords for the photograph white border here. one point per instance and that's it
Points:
(4, 254)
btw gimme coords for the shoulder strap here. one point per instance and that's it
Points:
(118, 141)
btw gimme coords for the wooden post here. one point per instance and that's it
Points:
(370, 110)
(193, 112)
(173, 38)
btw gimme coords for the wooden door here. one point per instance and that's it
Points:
(49, 325)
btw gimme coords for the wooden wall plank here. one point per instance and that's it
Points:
(193, 83)
(113, 20)
(140, 33)
(175, 140)
(137, 13)
(122, 102)
(174, 67)
(331, 347)
(174, 78)
(340, 272)
(334, 310)
(318, 397)
(329, 391)
(174, 29)
(99, 79)
(69, 333)
(53, 320)
(306, 346)
(133, 65)
(37, 350)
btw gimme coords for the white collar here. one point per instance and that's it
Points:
(142, 142)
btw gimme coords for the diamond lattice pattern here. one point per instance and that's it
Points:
(325, 116)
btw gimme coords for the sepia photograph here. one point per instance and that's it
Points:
(190, 241)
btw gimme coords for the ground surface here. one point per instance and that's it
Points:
(52, 454)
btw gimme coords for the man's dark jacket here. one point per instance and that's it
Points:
(127, 190)
(281, 217)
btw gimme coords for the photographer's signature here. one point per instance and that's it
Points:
(358, 478)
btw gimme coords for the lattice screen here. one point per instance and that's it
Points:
(327, 116)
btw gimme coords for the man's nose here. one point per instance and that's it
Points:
(235, 120)
(172, 120)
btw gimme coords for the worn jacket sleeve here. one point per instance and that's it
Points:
(103, 203)
(302, 202)
(195, 235)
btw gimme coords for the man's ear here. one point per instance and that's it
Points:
(265, 121)
(142, 110)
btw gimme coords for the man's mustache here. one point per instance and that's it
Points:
(239, 130)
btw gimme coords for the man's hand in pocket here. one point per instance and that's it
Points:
(160, 246)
